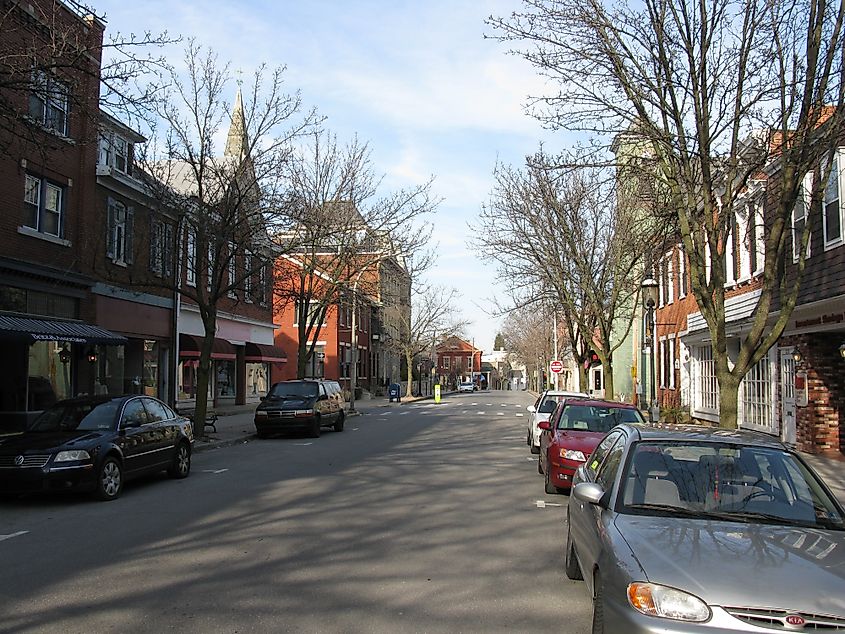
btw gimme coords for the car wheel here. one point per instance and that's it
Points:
(315, 428)
(338, 426)
(573, 571)
(262, 434)
(598, 605)
(528, 439)
(550, 488)
(539, 467)
(181, 466)
(109, 479)
(534, 448)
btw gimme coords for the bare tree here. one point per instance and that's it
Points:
(57, 52)
(719, 96)
(527, 336)
(562, 231)
(215, 209)
(343, 229)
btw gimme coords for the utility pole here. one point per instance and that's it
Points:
(554, 322)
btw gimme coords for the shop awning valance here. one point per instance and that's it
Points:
(32, 330)
(189, 347)
(261, 352)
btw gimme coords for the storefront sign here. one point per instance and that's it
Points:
(801, 392)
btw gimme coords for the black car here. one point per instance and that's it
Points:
(95, 443)
(306, 404)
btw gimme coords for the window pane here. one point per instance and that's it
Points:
(833, 229)
(53, 200)
(32, 190)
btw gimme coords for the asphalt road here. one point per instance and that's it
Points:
(417, 518)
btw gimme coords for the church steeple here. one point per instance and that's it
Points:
(237, 143)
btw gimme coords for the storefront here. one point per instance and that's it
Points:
(46, 360)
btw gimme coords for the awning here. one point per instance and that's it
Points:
(189, 347)
(258, 352)
(32, 330)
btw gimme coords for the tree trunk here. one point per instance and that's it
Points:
(583, 379)
(301, 353)
(607, 375)
(728, 400)
(409, 392)
(203, 380)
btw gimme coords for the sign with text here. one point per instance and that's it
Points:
(556, 366)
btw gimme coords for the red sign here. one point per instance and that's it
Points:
(556, 366)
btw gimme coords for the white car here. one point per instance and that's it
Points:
(466, 387)
(543, 407)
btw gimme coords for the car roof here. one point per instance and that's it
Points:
(597, 402)
(564, 393)
(95, 399)
(704, 433)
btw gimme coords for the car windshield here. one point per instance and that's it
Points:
(597, 418)
(77, 417)
(293, 390)
(726, 482)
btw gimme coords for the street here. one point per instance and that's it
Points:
(417, 518)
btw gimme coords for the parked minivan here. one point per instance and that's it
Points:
(304, 404)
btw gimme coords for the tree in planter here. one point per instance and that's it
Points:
(564, 231)
(344, 230)
(213, 213)
(720, 97)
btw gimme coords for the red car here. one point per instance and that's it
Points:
(572, 433)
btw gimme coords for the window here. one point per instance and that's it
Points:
(262, 285)
(161, 248)
(210, 266)
(44, 205)
(667, 363)
(683, 279)
(445, 363)
(114, 152)
(250, 261)
(602, 449)
(119, 247)
(191, 259)
(670, 280)
(707, 387)
(661, 288)
(799, 216)
(231, 270)
(756, 395)
(610, 467)
(832, 211)
(48, 102)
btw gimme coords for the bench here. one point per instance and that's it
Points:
(210, 418)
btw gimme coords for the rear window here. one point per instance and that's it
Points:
(596, 418)
(294, 389)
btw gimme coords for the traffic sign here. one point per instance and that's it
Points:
(556, 366)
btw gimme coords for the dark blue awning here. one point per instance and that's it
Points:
(32, 330)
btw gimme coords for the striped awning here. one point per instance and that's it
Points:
(32, 330)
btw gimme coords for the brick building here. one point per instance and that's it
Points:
(457, 361)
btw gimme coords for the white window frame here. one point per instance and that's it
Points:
(682, 271)
(446, 363)
(249, 261)
(756, 396)
(49, 193)
(835, 173)
(704, 385)
(52, 95)
(670, 281)
(231, 270)
(802, 203)
(759, 241)
(742, 215)
(262, 286)
(114, 151)
(191, 258)
(119, 224)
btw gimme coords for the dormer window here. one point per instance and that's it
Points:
(114, 152)
(48, 102)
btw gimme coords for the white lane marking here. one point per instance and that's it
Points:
(520, 415)
(504, 404)
(403, 413)
(9, 536)
(304, 444)
(215, 471)
(500, 413)
(480, 412)
(475, 403)
(541, 504)
(355, 429)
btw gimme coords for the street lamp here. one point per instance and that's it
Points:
(649, 288)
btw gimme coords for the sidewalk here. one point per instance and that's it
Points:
(831, 470)
(235, 422)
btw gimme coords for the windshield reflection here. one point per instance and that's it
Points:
(77, 417)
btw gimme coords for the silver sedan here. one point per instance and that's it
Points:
(694, 529)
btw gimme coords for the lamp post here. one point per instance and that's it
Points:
(649, 289)
(353, 338)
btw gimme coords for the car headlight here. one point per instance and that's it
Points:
(301, 413)
(571, 454)
(261, 413)
(668, 603)
(72, 456)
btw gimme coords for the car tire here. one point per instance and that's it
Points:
(534, 449)
(539, 467)
(181, 467)
(547, 482)
(598, 605)
(338, 426)
(528, 439)
(262, 434)
(573, 571)
(109, 479)
(314, 432)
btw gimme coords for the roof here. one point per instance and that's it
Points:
(704, 433)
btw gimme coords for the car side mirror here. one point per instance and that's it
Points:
(544, 425)
(262, 398)
(530, 408)
(589, 492)
(129, 424)
(323, 397)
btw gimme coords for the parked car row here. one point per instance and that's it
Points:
(691, 528)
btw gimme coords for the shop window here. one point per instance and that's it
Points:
(224, 372)
(150, 376)
(257, 382)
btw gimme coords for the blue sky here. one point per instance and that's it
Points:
(417, 80)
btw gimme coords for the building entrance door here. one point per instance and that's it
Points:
(787, 396)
